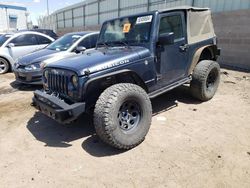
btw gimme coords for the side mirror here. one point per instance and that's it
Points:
(80, 49)
(166, 39)
(10, 45)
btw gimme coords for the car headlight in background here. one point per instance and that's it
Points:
(35, 66)
(74, 80)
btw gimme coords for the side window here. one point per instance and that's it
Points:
(25, 40)
(94, 39)
(89, 42)
(86, 42)
(43, 40)
(173, 24)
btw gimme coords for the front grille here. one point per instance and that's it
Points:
(58, 83)
(22, 78)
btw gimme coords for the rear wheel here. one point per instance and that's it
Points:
(122, 115)
(205, 80)
(4, 66)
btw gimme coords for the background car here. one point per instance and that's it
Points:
(13, 46)
(48, 32)
(28, 68)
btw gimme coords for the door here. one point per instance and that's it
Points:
(172, 58)
(23, 44)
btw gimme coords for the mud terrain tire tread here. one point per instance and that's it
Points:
(105, 115)
(199, 79)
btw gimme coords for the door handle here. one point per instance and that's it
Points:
(184, 47)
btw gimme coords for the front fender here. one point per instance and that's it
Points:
(94, 86)
(114, 74)
(143, 68)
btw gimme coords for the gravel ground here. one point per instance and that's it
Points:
(190, 144)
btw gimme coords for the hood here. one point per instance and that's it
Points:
(94, 60)
(37, 56)
(58, 56)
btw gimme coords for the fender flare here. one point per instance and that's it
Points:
(212, 48)
(139, 80)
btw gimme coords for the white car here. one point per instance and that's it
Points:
(13, 46)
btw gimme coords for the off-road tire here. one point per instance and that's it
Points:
(4, 66)
(205, 80)
(107, 118)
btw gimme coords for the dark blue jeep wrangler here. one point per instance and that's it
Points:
(136, 58)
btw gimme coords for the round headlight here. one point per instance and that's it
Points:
(75, 81)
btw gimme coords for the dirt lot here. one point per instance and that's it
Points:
(190, 144)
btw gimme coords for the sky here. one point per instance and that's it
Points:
(39, 7)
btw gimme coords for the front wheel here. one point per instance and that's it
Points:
(4, 66)
(205, 80)
(122, 115)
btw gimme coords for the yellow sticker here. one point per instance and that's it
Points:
(126, 27)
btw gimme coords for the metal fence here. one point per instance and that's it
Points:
(95, 12)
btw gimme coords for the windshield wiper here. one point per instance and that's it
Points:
(102, 44)
(121, 42)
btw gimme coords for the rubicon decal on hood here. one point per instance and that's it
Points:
(108, 65)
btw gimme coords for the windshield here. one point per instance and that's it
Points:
(64, 43)
(130, 30)
(4, 38)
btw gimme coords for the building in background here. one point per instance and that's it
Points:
(13, 17)
(231, 21)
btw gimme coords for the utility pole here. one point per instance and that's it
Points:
(48, 7)
(27, 23)
(7, 18)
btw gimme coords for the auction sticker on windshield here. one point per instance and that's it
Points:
(126, 27)
(144, 19)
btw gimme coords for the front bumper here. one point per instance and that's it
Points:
(27, 77)
(56, 108)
